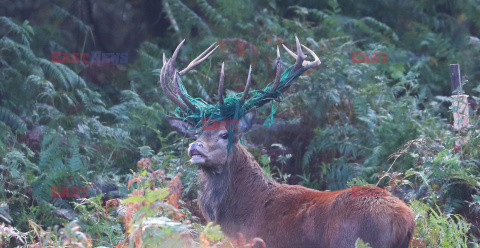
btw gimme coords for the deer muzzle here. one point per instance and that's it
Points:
(195, 151)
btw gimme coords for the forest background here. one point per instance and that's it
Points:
(101, 125)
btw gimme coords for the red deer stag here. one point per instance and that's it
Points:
(236, 194)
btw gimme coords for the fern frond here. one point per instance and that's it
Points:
(25, 31)
(21, 51)
(75, 162)
(380, 26)
(189, 16)
(92, 101)
(52, 71)
(12, 120)
(212, 13)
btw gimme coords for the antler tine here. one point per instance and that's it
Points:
(204, 55)
(300, 56)
(171, 67)
(316, 61)
(247, 87)
(220, 84)
(166, 87)
(279, 69)
(179, 92)
(300, 60)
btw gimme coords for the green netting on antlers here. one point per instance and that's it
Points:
(231, 109)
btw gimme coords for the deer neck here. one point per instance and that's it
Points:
(233, 192)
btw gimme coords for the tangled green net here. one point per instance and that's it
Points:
(232, 109)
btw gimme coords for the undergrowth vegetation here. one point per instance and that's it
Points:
(100, 126)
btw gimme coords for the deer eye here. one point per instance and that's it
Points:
(195, 136)
(224, 136)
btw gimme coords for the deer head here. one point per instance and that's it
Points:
(211, 148)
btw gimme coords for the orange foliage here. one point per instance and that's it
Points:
(144, 163)
(239, 242)
(417, 243)
(129, 209)
(240, 47)
(113, 202)
(175, 187)
(135, 180)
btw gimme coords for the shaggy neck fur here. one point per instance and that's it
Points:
(230, 195)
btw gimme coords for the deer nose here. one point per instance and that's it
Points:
(196, 145)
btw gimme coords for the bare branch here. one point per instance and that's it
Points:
(170, 17)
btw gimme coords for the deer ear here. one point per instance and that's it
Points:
(181, 126)
(245, 122)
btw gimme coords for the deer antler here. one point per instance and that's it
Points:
(247, 87)
(300, 58)
(229, 106)
(279, 69)
(169, 70)
(282, 82)
(220, 84)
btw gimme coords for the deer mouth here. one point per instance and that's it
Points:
(197, 157)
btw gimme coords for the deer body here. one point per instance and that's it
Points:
(242, 200)
(236, 194)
